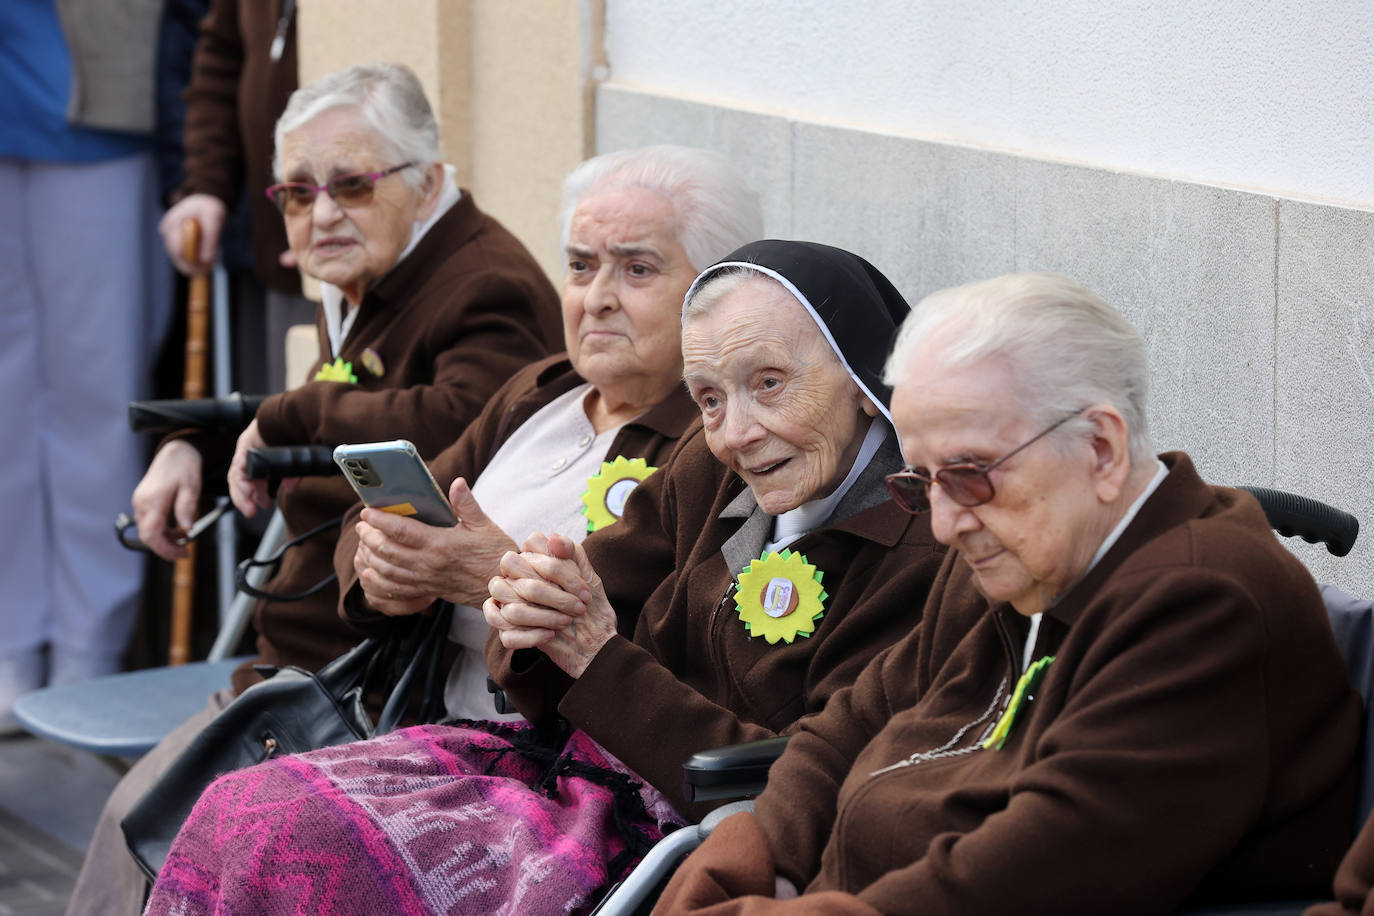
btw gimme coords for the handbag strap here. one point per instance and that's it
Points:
(426, 663)
(369, 662)
(352, 668)
(249, 563)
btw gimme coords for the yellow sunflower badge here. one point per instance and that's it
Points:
(337, 371)
(607, 490)
(780, 596)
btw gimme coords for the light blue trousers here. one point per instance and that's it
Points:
(84, 299)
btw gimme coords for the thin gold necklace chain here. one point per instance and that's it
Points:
(944, 750)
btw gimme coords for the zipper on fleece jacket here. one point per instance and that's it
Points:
(713, 630)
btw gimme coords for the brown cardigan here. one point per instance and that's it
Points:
(235, 96)
(1193, 741)
(652, 436)
(684, 675)
(465, 310)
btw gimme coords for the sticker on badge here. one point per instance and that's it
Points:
(609, 488)
(337, 371)
(780, 597)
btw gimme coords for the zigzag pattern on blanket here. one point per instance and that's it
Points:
(427, 820)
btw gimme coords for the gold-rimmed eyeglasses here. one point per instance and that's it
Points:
(969, 484)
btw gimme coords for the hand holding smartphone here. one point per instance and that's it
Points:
(390, 476)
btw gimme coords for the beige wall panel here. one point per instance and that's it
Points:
(430, 36)
(453, 102)
(510, 83)
(531, 111)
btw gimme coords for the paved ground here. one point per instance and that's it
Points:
(50, 797)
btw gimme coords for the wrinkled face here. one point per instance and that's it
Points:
(353, 247)
(1044, 523)
(622, 294)
(778, 407)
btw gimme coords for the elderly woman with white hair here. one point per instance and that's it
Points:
(1149, 710)
(427, 307)
(748, 581)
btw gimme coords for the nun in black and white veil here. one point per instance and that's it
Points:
(745, 581)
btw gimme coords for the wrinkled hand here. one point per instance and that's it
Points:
(171, 487)
(549, 597)
(248, 495)
(206, 209)
(405, 565)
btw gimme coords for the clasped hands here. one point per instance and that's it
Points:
(545, 595)
(548, 597)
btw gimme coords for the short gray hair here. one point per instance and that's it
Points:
(717, 210)
(1066, 348)
(705, 294)
(388, 97)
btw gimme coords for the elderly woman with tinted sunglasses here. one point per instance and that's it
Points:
(427, 307)
(1149, 711)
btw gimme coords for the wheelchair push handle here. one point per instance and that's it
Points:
(1292, 515)
(232, 412)
(281, 461)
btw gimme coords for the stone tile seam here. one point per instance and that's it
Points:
(1274, 352)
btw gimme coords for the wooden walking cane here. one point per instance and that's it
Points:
(197, 334)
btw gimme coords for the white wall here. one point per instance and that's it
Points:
(1268, 95)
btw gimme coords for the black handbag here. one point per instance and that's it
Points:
(290, 712)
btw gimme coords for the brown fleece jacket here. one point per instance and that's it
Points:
(1192, 740)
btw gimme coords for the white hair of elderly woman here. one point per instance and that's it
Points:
(388, 97)
(1066, 348)
(717, 210)
(704, 295)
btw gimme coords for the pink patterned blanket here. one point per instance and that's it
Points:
(427, 820)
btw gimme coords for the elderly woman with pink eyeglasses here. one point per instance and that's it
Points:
(427, 307)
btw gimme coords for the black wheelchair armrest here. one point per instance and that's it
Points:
(733, 771)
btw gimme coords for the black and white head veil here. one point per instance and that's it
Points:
(857, 309)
